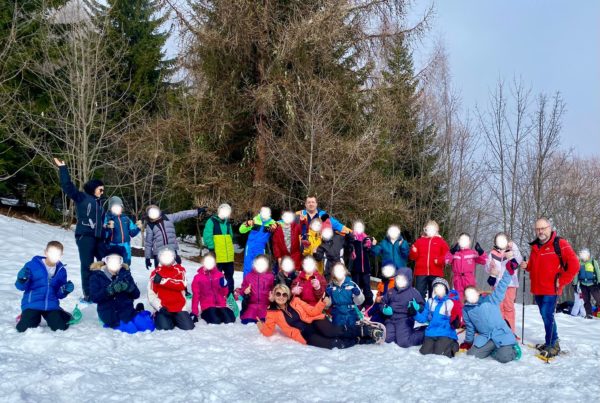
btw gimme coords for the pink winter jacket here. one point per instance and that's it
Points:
(498, 259)
(464, 261)
(209, 290)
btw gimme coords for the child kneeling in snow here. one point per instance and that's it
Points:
(255, 291)
(397, 306)
(113, 290)
(209, 289)
(307, 324)
(482, 316)
(166, 293)
(441, 314)
(44, 282)
(344, 295)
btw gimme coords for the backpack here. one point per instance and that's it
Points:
(559, 252)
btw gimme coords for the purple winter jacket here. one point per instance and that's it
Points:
(258, 299)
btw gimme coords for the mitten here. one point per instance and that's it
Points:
(491, 281)
(479, 249)
(387, 310)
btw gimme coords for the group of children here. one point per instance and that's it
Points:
(315, 265)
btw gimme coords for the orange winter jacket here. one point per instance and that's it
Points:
(307, 312)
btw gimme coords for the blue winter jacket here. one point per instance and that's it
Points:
(392, 252)
(335, 224)
(343, 304)
(117, 307)
(124, 229)
(41, 292)
(90, 213)
(438, 312)
(485, 318)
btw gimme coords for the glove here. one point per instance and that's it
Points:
(223, 282)
(324, 217)
(356, 291)
(491, 281)
(68, 287)
(414, 305)
(148, 264)
(387, 311)
(157, 278)
(455, 323)
(465, 346)
(455, 248)
(511, 266)
(479, 249)
(194, 317)
(120, 286)
(315, 284)
(24, 274)
(201, 210)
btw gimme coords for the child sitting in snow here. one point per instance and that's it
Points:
(309, 286)
(119, 229)
(388, 271)
(209, 289)
(166, 293)
(488, 334)
(255, 291)
(43, 281)
(113, 290)
(287, 271)
(345, 295)
(442, 318)
(398, 304)
(464, 260)
(160, 232)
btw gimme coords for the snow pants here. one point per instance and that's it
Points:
(363, 280)
(89, 248)
(324, 334)
(439, 346)
(460, 281)
(216, 316)
(56, 319)
(169, 320)
(424, 284)
(502, 354)
(140, 323)
(507, 307)
(589, 292)
(403, 333)
(227, 270)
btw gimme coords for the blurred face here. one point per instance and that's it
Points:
(388, 271)
(116, 209)
(265, 213)
(154, 213)
(431, 230)
(261, 265)
(358, 228)
(311, 204)
(209, 262)
(393, 232)
(316, 226)
(472, 295)
(501, 242)
(339, 272)
(464, 242)
(401, 282)
(439, 290)
(543, 230)
(166, 257)
(327, 233)
(99, 191)
(53, 255)
(584, 255)
(309, 265)
(224, 212)
(113, 263)
(288, 217)
(287, 265)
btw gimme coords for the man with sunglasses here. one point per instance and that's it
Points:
(552, 265)
(90, 216)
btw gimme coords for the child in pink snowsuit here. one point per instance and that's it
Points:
(255, 291)
(463, 260)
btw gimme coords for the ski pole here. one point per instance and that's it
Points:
(523, 306)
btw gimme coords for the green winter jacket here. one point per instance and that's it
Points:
(589, 273)
(218, 237)
(257, 221)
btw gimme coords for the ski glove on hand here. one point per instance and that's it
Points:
(356, 291)
(157, 278)
(387, 311)
(479, 249)
(148, 264)
(455, 248)
(511, 266)
(465, 346)
(491, 281)
(68, 287)
(223, 282)
(24, 274)
(202, 210)
(414, 305)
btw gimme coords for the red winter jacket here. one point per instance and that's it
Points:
(544, 267)
(170, 293)
(309, 294)
(429, 255)
(280, 249)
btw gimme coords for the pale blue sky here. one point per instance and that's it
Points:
(552, 44)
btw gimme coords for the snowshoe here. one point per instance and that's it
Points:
(373, 330)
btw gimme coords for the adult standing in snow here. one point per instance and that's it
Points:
(90, 219)
(312, 211)
(552, 265)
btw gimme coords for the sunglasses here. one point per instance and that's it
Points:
(281, 294)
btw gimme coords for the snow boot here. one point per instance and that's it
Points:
(551, 351)
(372, 330)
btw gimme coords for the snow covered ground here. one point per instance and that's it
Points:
(235, 363)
